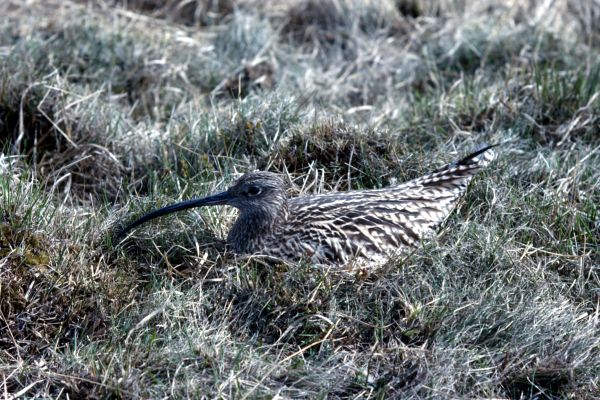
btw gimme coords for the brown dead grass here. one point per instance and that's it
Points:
(185, 12)
(349, 158)
(66, 154)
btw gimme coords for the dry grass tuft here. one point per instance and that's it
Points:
(349, 159)
(67, 155)
(587, 15)
(185, 12)
(254, 76)
(315, 21)
(335, 22)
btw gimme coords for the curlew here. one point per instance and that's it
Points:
(337, 227)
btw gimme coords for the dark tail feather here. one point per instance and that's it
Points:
(474, 158)
(477, 159)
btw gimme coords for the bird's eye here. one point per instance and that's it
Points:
(253, 190)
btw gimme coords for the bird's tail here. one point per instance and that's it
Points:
(478, 159)
(435, 195)
(481, 157)
(455, 176)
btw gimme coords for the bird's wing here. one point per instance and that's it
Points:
(373, 221)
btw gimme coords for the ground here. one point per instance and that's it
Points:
(111, 108)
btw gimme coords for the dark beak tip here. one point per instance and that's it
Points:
(118, 235)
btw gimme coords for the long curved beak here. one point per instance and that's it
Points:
(217, 199)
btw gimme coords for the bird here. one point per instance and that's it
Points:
(336, 227)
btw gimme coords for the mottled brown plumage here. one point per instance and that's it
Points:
(341, 226)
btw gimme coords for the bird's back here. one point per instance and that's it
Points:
(337, 227)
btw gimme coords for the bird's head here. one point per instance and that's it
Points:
(257, 190)
(260, 194)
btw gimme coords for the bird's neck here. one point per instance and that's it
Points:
(253, 226)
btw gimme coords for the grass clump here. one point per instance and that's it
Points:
(50, 299)
(106, 113)
(348, 158)
(190, 13)
(66, 152)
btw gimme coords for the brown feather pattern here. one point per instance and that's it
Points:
(339, 227)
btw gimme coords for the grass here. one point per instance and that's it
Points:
(110, 109)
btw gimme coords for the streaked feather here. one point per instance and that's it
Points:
(338, 227)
